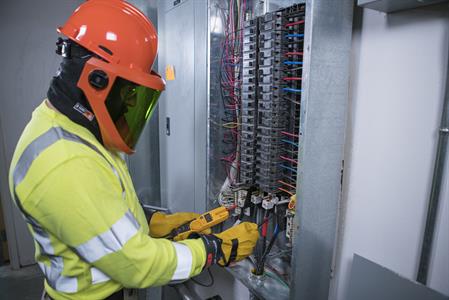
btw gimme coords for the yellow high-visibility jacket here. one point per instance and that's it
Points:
(90, 232)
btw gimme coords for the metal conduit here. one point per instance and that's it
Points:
(438, 173)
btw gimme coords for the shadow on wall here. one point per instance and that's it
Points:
(4, 255)
(416, 15)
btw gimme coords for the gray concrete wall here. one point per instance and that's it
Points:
(28, 35)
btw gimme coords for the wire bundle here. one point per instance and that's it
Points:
(230, 84)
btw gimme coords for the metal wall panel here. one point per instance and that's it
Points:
(389, 6)
(182, 31)
(144, 164)
(202, 53)
(370, 281)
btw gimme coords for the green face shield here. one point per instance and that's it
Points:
(130, 106)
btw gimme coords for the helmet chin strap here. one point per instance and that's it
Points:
(64, 93)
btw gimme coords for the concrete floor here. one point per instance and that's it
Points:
(28, 283)
(23, 284)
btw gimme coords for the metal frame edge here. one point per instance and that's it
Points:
(327, 47)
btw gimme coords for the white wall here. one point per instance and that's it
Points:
(397, 88)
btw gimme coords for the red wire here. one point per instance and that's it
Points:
(292, 78)
(232, 49)
(294, 23)
(264, 227)
(284, 190)
(287, 184)
(289, 159)
(294, 53)
(290, 134)
(232, 207)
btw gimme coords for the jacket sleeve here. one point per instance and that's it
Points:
(80, 203)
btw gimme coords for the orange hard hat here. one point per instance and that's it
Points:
(118, 82)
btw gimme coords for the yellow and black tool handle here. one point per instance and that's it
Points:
(202, 223)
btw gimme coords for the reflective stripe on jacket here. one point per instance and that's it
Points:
(90, 232)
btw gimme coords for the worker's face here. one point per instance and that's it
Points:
(130, 107)
(128, 94)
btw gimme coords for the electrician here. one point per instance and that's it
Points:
(71, 184)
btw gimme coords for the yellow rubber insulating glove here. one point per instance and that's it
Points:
(161, 225)
(231, 245)
(246, 234)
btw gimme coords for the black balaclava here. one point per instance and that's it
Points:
(64, 94)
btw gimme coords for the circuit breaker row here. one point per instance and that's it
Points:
(272, 108)
(271, 88)
(291, 82)
(249, 103)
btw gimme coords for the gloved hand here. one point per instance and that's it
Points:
(161, 225)
(231, 245)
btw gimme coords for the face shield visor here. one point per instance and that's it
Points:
(130, 106)
(122, 100)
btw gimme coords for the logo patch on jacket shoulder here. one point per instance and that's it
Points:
(84, 111)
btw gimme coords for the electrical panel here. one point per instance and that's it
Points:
(260, 75)
(229, 127)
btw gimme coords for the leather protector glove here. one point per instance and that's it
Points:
(162, 225)
(231, 245)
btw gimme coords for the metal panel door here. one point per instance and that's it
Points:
(182, 34)
(177, 108)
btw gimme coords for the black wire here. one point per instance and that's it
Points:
(211, 283)
(261, 260)
(262, 244)
(261, 264)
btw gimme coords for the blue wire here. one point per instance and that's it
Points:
(288, 168)
(292, 90)
(290, 142)
(294, 35)
(288, 62)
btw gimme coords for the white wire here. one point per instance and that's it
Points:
(283, 202)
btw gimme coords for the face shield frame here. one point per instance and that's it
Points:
(97, 97)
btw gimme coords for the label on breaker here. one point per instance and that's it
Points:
(241, 196)
(256, 199)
